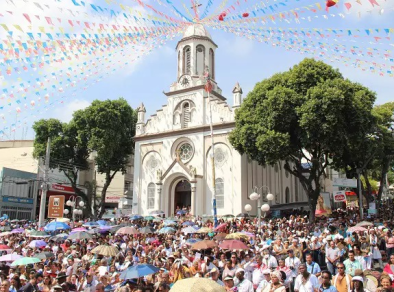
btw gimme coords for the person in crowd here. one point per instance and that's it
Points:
(305, 281)
(243, 285)
(342, 281)
(351, 264)
(326, 285)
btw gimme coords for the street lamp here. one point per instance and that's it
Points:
(248, 208)
(255, 196)
(73, 203)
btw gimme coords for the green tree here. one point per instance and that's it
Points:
(69, 153)
(109, 128)
(303, 115)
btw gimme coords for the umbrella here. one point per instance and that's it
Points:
(233, 244)
(5, 233)
(221, 226)
(136, 217)
(204, 230)
(53, 226)
(173, 219)
(156, 213)
(18, 230)
(80, 235)
(188, 223)
(192, 241)
(189, 229)
(362, 223)
(90, 224)
(105, 228)
(243, 215)
(10, 257)
(147, 229)
(204, 244)
(147, 218)
(138, 271)
(79, 229)
(167, 230)
(14, 220)
(102, 222)
(106, 250)
(64, 220)
(44, 255)
(169, 223)
(356, 229)
(37, 244)
(127, 230)
(181, 212)
(59, 237)
(249, 234)
(237, 235)
(197, 284)
(3, 247)
(25, 261)
(36, 233)
(220, 236)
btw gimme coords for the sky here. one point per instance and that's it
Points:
(238, 59)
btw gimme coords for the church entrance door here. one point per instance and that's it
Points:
(183, 195)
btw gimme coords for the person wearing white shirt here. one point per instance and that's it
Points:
(269, 260)
(293, 264)
(244, 285)
(256, 268)
(305, 282)
(264, 283)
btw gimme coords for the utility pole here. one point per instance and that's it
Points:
(208, 88)
(44, 187)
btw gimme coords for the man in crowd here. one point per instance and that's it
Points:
(352, 264)
(341, 281)
(305, 281)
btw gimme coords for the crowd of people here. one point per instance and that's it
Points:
(340, 253)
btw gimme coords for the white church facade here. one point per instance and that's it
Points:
(172, 161)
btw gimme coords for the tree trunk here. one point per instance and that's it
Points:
(385, 169)
(368, 192)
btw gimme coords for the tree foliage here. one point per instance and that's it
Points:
(306, 114)
(105, 128)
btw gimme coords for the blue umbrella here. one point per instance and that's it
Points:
(181, 212)
(53, 226)
(188, 223)
(102, 222)
(169, 223)
(167, 230)
(136, 217)
(191, 241)
(138, 271)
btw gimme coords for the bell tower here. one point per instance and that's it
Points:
(196, 54)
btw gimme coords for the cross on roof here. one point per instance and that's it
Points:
(195, 7)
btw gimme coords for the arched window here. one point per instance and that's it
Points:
(151, 196)
(185, 115)
(179, 64)
(200, 59)
(212, 63)
(186, 60)
(219, 186)
(287, 195)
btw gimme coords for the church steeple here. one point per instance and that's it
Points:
(196, 52)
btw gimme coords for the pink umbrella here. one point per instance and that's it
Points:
(233, 244)
(127, 230)
(79, 229)
(221, 227)
(356, 229)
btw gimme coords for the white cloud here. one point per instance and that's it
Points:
(65, 113)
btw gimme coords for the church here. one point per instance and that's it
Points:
(173, 148)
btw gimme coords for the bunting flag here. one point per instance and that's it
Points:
(50, 51)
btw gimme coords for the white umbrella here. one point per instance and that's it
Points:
(10, 257)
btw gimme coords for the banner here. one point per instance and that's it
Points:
(323, 206)
(339, 196)
(56, 207)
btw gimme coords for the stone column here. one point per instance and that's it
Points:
(193, 185)
(159, 187)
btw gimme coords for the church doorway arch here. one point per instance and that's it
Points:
(182, 195)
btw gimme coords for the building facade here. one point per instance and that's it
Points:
(172, 161)
(18, 194)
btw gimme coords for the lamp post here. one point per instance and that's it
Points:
(255, 196)
(248, 208)
(73, 202)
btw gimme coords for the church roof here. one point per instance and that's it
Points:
(196, 29)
